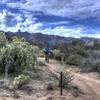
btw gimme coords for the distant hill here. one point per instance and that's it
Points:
(43, 39)
(39, 38)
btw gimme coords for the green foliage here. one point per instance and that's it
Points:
(73, 52)
(82, 52)
(92, 63)
(84, 55)
(41, 53)
(57, 54)
(36, 50)
(74, 60)
(20, 81)
(75, 47)
(18, 55)
(97, 45)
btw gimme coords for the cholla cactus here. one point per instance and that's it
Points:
(19, 54)
(20, 81)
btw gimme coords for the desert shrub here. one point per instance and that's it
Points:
(94, 54)
(87, 65)
(73, 52)
(82, 52)
(21, 80)
(92, 63)
(36, 50)
(41, 53)
(74, 60)
(97, 45)
(66, 79)
(77, 42)
(97, 66)
(17, 56)
(57, 54)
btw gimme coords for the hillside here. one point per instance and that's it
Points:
(43, 39)
(39, 38)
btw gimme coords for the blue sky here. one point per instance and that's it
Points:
(70, 18)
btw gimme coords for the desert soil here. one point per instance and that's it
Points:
(89, 85)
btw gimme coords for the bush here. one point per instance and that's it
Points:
(17, 56)
(36, 50)
(82, 53)
(57, 54)
(92, 63)
(41, 53)
(20, 81)
(67, 78)
(97, 45)
(74, 60)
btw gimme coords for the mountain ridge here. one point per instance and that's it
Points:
(39, 38)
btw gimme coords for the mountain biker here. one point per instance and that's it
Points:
(47, 54)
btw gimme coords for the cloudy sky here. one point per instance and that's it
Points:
(70, 18)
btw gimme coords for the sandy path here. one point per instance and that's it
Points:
(90, 85)
(93, 84)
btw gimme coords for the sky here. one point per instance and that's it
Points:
(69, 18)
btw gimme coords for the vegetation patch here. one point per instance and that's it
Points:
(21, 80)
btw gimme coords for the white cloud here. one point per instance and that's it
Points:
(13, 21)
(75, 9)
(64, 31)
(59, 23)
(78, 31)
(31, 28)
(65, 8)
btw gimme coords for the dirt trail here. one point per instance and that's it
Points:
(89, 85)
